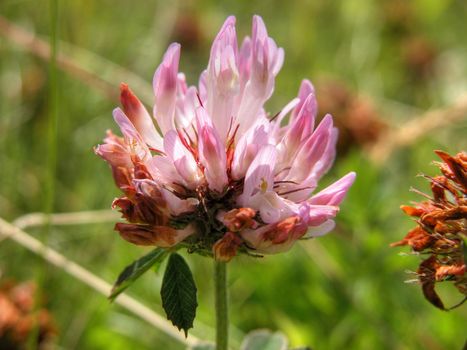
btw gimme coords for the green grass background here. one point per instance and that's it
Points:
(343, 291)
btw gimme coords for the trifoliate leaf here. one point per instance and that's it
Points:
(133, 271)
(178, 293)
(264, 340)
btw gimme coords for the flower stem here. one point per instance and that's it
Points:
(222, 319)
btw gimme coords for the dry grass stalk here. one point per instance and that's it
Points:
(418, 127)
(8, 230)
(71, 63)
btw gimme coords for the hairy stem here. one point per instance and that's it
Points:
(222, 319)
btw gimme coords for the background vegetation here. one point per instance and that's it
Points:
(377, 66)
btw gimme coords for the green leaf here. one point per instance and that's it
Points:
(133, 271)
(178, 293)
(264, 340)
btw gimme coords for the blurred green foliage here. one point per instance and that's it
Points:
(342, 291)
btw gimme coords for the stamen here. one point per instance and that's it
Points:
(199, 100)
(296, 190)
(264, 185)
(412, 189)
(189, 138)
(275, 116)
(232, 139)
(187, 146)
(286, 182)
(230, 126)
(282, 170)
(195, 132)
(159, 152)
(412, 281)
(440, 184)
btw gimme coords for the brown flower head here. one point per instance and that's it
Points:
(359, 122)
(442, 229)
(18, 319)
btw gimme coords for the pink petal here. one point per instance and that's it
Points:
(272, 207)
(244, 61)
(139, 117)
(115, 152)
(275, 238)
(266, 61)
(182, 87)
(306, 89)
(223, 78)
(162, 169)
(165, 88)
(305, 120)
(203, 87)
(185, 110)
(260, 176)
(310, 152)
(177, 205)
(248, 147)
(297, 132)
(335, 193)
(326, 161)
(133, 139)
(318, 214)
(211, 152)
(182, 159)
(320, 230)
(282, 114)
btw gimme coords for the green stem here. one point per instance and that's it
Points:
(32, 342)
(52, 135)
(222, 319)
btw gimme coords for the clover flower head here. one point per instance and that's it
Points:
(441, 229)
(21, 317)
(211, 169)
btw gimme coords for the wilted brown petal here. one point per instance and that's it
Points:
(432, 218)
(239, 219)
(161, 236)
(427, 271)
(444, 271)
(449, 226)
(286, 230)
(141, 171)
(146, 205)
(122, 177)
(438, 186)
(457, 166)
(127, 208)
(417, 238)
(412, 211)
(226, 247)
